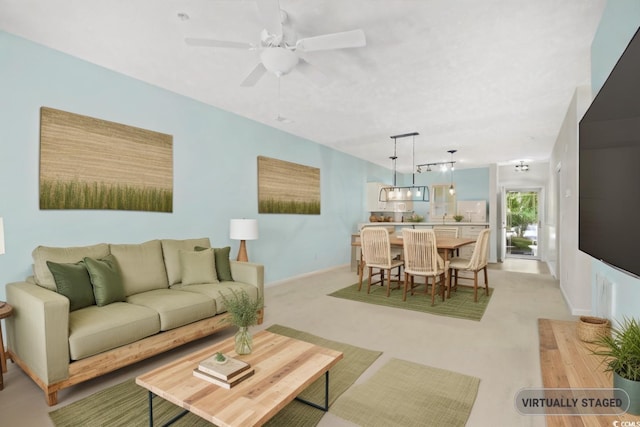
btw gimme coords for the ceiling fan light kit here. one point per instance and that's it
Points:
(522, 167)
(279, 45)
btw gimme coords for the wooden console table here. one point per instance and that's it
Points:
(566, 362)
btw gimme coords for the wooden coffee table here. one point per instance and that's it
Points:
(284, 367)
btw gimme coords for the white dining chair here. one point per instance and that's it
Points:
(376, 254)
(478, 261)
(421, 259)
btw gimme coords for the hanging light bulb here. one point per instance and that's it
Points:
(418, 192)
(409, 193)
(452, 189)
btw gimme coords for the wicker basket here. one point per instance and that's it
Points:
(591, 328)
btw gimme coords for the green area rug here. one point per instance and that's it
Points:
(409, 394)
(126, 404)
(460, 304)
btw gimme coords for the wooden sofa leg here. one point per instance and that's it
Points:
(51, 397)
(260, 316)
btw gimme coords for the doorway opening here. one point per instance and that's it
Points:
(522, 223)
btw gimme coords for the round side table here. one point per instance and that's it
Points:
(5, 311)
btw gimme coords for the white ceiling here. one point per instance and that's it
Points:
(492, 79)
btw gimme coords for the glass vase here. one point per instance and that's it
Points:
(244, 341)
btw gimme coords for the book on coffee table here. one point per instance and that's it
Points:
(222, 383)
(225, 371)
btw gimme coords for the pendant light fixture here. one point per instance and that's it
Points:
(413, 193)
(452, 189)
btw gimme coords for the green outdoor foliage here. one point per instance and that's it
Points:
(621, 349)
(81, 195)
(288, 207)
(521, 242)
(243, 310)
(522, 210)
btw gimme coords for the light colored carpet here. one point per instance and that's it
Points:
(408, 394)
(126, 404)
(460, 305)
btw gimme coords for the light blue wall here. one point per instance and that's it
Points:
(471, 184)
(215, 170)
(620, 21)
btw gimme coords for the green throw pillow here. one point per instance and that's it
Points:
(72, 281)
(223, 265)
(106, 280)
(197, 267)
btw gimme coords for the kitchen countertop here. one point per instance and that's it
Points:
(430, 223)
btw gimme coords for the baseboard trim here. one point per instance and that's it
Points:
(304, 275)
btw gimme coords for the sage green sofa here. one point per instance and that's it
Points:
(143, 299)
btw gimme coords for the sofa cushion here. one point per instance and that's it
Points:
(176, 308)
(170, 251)
(214, 291)
(94, 329)
(72, 281)
(198, 267)
(105, 279)
(223, 265)
(141, 266)
(42, 254)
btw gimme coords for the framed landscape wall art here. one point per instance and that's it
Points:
(287, 188)
(88, 163)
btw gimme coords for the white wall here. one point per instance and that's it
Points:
(572, 267)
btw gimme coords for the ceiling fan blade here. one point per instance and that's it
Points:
(271, 16)
(255, 75)
(316, 76)
(354, 38)
(217, 43)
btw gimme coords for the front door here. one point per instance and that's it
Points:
(522, 223)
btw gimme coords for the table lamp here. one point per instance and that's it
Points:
(243, 230)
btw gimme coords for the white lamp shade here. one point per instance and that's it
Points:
(1, 237)
(243, 229)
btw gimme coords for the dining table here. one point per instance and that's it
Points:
(446, 244)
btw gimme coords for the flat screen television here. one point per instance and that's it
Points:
(609, 167)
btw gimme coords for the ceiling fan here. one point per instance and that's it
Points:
(279, 45)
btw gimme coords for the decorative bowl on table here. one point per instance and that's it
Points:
(220, 358)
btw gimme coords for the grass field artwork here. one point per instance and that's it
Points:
(88, 163)
(287, 188)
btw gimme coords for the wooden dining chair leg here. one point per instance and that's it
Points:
(475, 286)
(404, 289)
(389, 284)
(433, 290)
(370, 279)
(360, 274)
(443, 284)
(486, 281)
